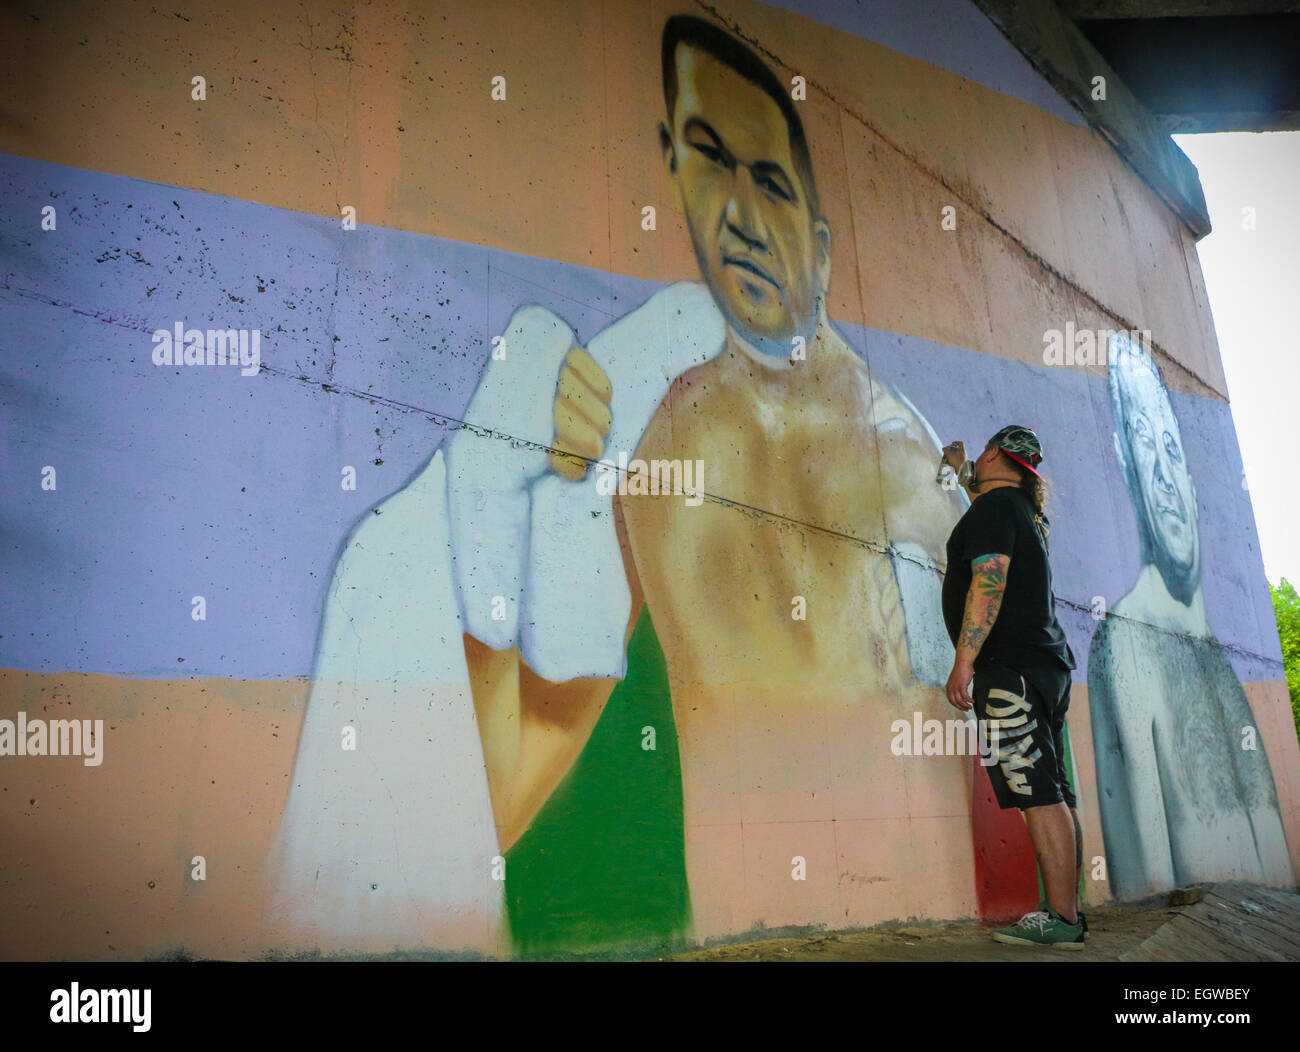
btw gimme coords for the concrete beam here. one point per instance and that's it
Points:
(1083, 10)
(1064, 56)
(1208, 74)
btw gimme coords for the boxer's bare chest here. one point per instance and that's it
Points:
(772, 574)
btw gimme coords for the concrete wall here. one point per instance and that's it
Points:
(436, 696)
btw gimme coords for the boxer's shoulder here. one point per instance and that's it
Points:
(711, 381)
(898, 420)
(889, 407)
(878, 405)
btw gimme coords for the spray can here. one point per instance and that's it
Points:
(950, 479)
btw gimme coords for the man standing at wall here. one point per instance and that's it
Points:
(1000, 612)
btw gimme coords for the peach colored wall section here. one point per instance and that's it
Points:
(387, 107)
(219, 755)
(1271, 705)
(190, 768)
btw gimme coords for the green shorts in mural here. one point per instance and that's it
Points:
(1023, 715)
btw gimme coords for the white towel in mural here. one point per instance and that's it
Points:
(391, 844)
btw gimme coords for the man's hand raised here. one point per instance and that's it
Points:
(582, 419)
(954, 455)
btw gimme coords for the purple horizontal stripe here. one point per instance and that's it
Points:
(175, 482)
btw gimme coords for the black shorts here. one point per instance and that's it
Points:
(1023, 714)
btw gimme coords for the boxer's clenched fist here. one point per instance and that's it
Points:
(582, 419)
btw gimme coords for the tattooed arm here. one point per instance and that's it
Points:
(983, 601)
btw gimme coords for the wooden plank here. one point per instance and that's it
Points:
(1283, 908)
(1166, 945)
(1282, 927)
(1202, 942)
(1257, 945)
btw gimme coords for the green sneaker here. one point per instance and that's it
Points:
(1083, 920)
(1043, 928)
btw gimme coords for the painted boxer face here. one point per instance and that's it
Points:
(762, 252)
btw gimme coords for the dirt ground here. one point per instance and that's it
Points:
(1113, 930)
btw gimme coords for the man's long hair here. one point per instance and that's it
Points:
(1035, 488)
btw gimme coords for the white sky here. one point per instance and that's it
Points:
(1253, 280)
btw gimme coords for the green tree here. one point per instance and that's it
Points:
(1286, 608)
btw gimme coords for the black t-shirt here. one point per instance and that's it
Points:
(1026, 633)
